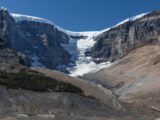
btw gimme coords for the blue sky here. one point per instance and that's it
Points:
(82, 15)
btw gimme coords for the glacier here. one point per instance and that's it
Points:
(77, 47)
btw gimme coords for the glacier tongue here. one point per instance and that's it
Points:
(78, 48)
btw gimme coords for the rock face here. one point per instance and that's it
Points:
(117, 41)
(40, 42)
(7, 54)
(43, 41)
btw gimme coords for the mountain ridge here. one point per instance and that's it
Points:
(39, 37)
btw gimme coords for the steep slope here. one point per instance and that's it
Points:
(135, 78)
(43, 41)
(117, 41)
(7, 54)
(40, 42)
(98, 92)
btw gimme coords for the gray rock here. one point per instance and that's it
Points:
(7, 54)
(118, 41)
(40, 42)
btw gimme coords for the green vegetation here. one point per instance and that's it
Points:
(31, 80)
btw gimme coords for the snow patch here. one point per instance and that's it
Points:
(131, 19)
(20, 17)
(35, 61)
(27, 51)
(83, 68)
(124, 21)
(61, 67)
(36, 47)
(28, 34)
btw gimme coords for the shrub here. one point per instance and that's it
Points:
(30, 80)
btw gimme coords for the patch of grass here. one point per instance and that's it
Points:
(30, 80)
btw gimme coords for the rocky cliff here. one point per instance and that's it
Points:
(119, 40)
(40, 42)
(7, 54)
(43, 44)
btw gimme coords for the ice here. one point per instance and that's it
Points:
(124, 21)
(91, 67)
(78, 48)
(131, 19)
(20, 17)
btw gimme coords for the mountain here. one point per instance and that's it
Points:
(7, 54)
(38, 41)
(119, 40)
(47, 45)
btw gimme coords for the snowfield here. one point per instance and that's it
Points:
(82, 63)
